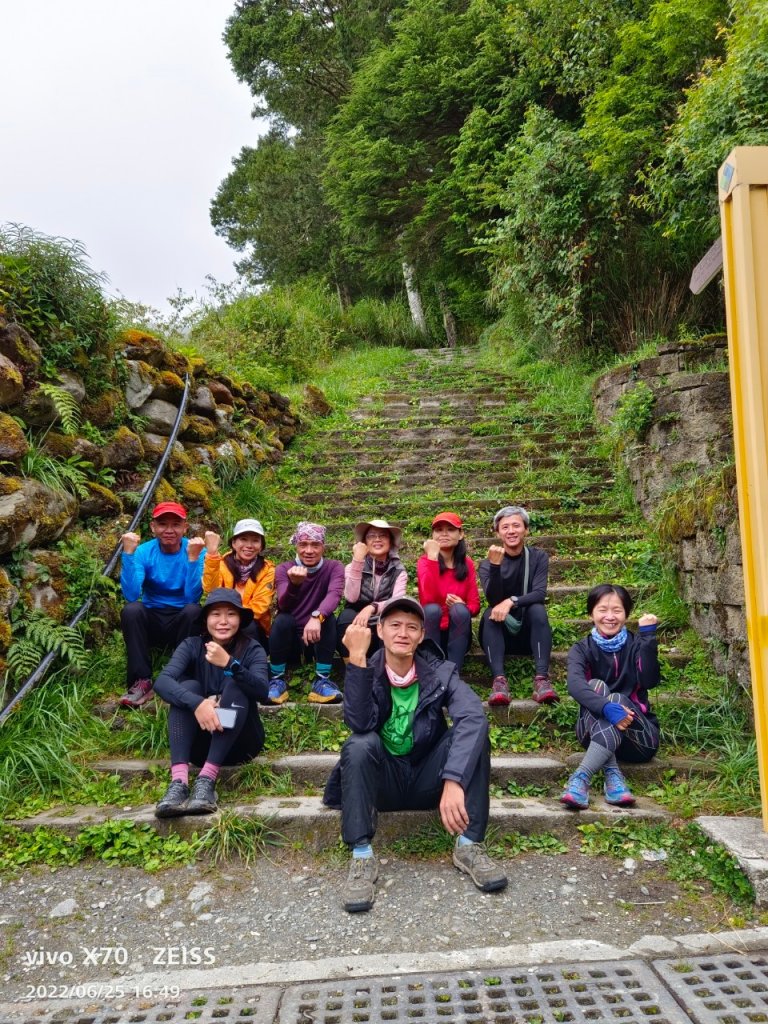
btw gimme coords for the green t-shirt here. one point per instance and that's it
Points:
(397, 731)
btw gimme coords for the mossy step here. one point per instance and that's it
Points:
(304, 820)
(350, 441)
(340, 514)
(421, 497)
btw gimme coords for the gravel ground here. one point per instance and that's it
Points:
(113, 921)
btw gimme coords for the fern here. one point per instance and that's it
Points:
(66, 406)
(39, 635)
(69, 475)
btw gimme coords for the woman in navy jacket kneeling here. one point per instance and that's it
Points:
(213, 683)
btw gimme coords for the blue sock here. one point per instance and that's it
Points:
(322, 669)
(276, 670)
(362, 852)
(463, 841)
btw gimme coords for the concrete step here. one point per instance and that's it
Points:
(352, 439)
(304, 820)
(312, 769)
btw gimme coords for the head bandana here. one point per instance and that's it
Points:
(309, 531)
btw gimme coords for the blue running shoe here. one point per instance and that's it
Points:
(576, 792)
(278, 691)
(616, 789)
(324, 692)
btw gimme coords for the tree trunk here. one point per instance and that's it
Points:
(414, 299)
(343, 293)
(449, 320)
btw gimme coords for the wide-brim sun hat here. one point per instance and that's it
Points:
(378, 524)
(248, 526)
(226, 595)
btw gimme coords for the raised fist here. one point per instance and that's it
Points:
(495, 554)
(647, 620)
(130, 542)
(297, 574)
(212, 542)
(359, 551)
(431, 549)
(194, 547)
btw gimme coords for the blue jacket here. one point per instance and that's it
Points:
(368, 705)
(160, 580)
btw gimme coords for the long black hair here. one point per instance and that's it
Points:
(460, 568)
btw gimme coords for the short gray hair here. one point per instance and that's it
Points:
(511, 510)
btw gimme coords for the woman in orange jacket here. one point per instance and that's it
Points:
(245, 569)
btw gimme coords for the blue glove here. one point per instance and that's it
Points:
(615, 713)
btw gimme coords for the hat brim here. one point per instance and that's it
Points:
(362, 528)
(246, 615)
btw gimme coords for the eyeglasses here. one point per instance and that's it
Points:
(376, 535)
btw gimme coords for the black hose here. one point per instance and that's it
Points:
(31, 682)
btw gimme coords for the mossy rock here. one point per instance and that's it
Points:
(139, 344)
(124, 450)
(165, 492)
(201, 429)
(169, 387)
(230, 452)
(195, 493)
(101, 503)
(64, 446)
(13, 443)
(316, 402)
(11, 383)
(176, 362)
(198, 366)
(19, 346)
(103, 411)
(9, 595)
(236, 387)
(6, 639)
(222, 395)
(10, 484)
(154, 449)
(34, 512)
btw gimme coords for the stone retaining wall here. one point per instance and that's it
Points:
(689, 438)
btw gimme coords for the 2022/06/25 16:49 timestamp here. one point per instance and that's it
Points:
(96, 990)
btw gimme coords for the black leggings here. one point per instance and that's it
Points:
(286, 645)
(191, 744)
(535, 638)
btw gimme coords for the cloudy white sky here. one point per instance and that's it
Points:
(118, 120)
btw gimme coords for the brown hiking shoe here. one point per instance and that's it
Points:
(543, 691)
(499, 695)
(359, 893)
(472, 859)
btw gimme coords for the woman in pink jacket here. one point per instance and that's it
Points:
(448, 587)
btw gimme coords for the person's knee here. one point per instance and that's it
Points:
(132, 615)
(537, 617)
(360, 748)
(599, 686)
(459, 615)
(432, 614)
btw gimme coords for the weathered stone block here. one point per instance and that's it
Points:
(139, 384)
(34, 513)
(160, 416)
(19, 346)
(13, 443)
(11, 383)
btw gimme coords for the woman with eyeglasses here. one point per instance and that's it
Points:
(373, 577)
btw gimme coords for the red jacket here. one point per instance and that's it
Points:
(434, 587)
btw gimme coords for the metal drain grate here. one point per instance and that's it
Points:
(240, 1006)
(729, 989)
(622, 992)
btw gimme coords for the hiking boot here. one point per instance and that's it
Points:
(324, 692)
(278, 691)
(472, 859)
(576, 792)
(616, 790)
(174, 801)
(499, 695)
(359, 893)
(138, 694)
(203, 799)
(543, 691)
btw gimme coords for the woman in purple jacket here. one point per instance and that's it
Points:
(609, 674)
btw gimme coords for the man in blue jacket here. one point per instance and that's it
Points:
(162, 581)
(403, 756)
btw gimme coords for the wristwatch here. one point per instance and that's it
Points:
(233, 664)
(319, 616)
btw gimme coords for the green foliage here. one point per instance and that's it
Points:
(115, 842)
(35, 635)
(634, 411)
(301, 728)
(232, 836)
(512, 844)
(66, 406)
(691, 857)
(68, 475)
(81, 567)
(48, 286)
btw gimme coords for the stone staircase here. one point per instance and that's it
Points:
(423, 445)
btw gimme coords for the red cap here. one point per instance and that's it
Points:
(448, 517)
(169, 508)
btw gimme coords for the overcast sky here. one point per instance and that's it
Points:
(118, 121)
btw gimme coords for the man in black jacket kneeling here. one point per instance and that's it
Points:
(403, 756)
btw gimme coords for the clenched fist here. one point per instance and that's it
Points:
(212, 542)
(495, 554)
(194, 547)
(130, 542)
